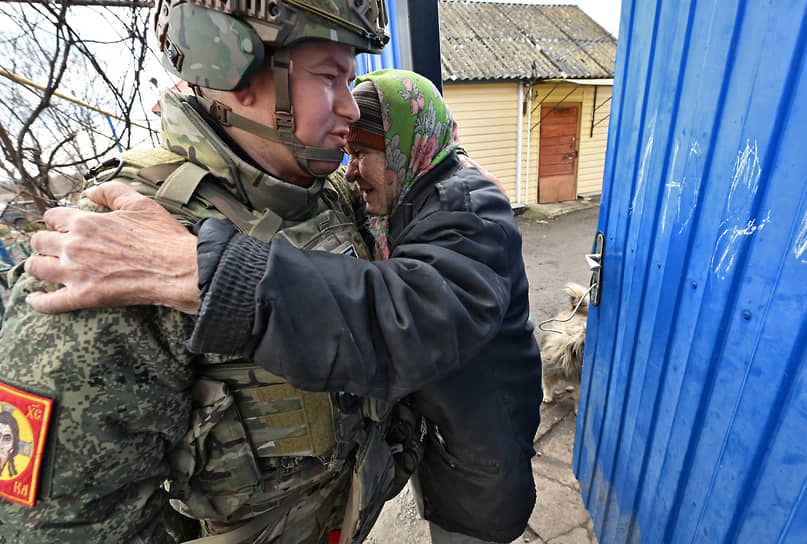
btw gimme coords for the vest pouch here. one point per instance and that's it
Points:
(389, 455)
(214, 470)
(327, 231)
(373, 477)
(279, 420)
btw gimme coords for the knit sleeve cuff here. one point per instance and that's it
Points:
(225, 321)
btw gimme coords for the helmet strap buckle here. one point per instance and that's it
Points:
(221, 113)
(284, 119)
(284, 111)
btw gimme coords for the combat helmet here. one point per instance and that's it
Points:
(219, 44)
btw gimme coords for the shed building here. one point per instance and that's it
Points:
(530, 88)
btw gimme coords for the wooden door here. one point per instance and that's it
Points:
(557, 160)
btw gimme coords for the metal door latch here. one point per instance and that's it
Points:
(594, 261)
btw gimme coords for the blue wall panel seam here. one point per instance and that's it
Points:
(752, 480)
(648, 267)
(620, 275)
(789, 523)
(706, 394)
(730, 307)
(614, 137)
(635, 187)
(656, 403)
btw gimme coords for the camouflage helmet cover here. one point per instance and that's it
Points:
(219, 44)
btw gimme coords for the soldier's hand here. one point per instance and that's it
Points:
(136, 254)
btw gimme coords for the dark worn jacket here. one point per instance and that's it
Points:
(445, 320)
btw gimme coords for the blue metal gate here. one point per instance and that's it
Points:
(390, 56)
(693, 409)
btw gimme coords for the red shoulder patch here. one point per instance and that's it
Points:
(24, 421)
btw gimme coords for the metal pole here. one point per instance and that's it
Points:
(114, 134)
(519, 131)
(424, 40)
(4, 255)
(529, 134)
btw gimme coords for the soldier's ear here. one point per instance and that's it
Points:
(259, 90)
(245, 96)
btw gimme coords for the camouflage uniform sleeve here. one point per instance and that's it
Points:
(350, 195)
(119, 380)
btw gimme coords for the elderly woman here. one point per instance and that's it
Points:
(458, 308)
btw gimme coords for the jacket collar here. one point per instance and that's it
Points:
(414, 201)
(186, 132)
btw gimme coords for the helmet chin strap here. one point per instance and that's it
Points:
(284, 119)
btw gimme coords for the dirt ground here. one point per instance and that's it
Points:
(554, 254)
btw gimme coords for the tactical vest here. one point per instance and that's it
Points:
(255, 442)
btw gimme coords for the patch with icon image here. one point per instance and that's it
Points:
(24, 419)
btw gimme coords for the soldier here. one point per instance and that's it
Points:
(137, 419)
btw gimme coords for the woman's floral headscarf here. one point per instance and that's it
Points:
(419, 132)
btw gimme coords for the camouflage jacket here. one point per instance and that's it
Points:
(134, 411)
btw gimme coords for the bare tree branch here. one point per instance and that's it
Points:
(99, 3)
(44, 137)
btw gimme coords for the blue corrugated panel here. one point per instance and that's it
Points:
(4, 256)
(390, 57)
(693, 410)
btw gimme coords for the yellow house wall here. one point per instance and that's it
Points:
(487, 120)
(487, 117)
(591, 164)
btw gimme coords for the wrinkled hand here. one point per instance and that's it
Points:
(136, 254)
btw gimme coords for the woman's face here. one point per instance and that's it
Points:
(368, 168)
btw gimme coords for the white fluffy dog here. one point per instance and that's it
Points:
(562, 345)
